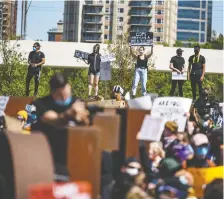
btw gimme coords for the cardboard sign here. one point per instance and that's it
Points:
(84, 55)
(172, 109)
(78, 190)
(3, 102)
(141, 38)
(81, 55)
(151, 129)
(176, 76)
(105, 71)
(204, 176)
(142, 103)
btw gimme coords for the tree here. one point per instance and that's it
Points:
(178, 44)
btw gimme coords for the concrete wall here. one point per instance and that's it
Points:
(61, 54)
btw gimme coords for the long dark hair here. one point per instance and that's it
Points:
(96, 48)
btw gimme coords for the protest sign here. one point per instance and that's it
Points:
(142, 103)
(172, 109)
(151, 129)
(176, 76)
(3, 102)
(141, 38)
(204, 176)
(105, 71)
(77, 190)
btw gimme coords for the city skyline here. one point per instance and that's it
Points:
(44, 15)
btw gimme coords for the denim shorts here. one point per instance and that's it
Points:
(94, 73)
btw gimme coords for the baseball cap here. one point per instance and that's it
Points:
(172, 126)
(200, 139)
(180, 50)
(22, 115)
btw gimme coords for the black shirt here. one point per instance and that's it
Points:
(94, 61)
(57, 137)
(196, 64)
(142, 63)
(178, 62)
(36, 57)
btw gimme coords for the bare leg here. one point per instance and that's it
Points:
(96, 82)
(91, 78)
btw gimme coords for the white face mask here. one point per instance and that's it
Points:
(205, 124)
(132, 171)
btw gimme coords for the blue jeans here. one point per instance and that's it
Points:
(140, 74)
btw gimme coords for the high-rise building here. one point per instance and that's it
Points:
(194, 20)
(8, 18)
(101, 21)
(55, 34)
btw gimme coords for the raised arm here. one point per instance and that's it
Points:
(150, 53)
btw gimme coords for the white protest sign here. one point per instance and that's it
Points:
(3, 102)
(105, 71)
(172, 109)
(108, 58)
(143, 103)
(176, 76)
(152, 128)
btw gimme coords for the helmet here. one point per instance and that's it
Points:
(22, 115)
(118, 89)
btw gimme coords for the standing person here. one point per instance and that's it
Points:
(177, 65)
(94, 60)
(141, 69)
(196, 71)
(36, 59)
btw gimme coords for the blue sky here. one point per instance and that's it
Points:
(44, 15)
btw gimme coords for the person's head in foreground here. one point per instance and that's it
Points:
(214, 190)
(22, 116)
(156, 151)
(170, 129)
(60, 89)
(142, 50)
(131, 166)
(201, 146)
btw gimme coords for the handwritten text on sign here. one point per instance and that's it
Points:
(172, 109)
(141, 38)
(3, 102)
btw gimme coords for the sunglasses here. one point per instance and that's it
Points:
(35, 46)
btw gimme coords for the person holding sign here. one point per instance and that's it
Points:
(140, 69)
(94, 60)
(177, 65)
(196, 71)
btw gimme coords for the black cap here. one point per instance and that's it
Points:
(197, 46)
(37, 44)
(130, 160)
(179, 50)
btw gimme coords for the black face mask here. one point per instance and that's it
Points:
(179, 54)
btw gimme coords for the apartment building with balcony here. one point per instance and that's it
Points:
(8, 18)
(55, 34)
(194, 20)
(101, 21)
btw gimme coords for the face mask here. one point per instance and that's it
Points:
(179, 54)
(196, 51)
(132, 171)
(34, 48)
(205, 124)
(64, 102)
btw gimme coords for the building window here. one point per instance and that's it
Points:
(107, 10)
(203, 15)
(158, 39)
(159, 2)
(121, 1)
(120, 28)
(106, 27)
(159, 30)
(185, 36)
(187, 25)
(120, 19)
(120, 10)
(105, 36)
(193, 4)
(189, 14)
(159, 12)
(202, 26)
(204, 4)
(107, 18)
(202, 37)
(107, 1)
(159, 21)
